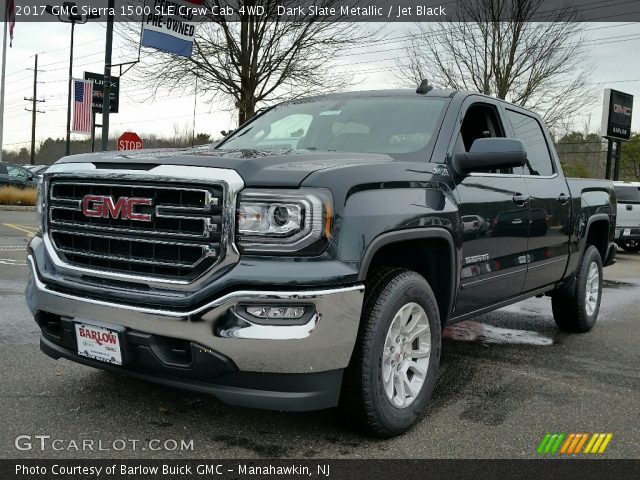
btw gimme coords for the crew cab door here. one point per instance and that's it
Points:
(494, 213)
(550, 203)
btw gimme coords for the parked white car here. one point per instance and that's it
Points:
(628, 219)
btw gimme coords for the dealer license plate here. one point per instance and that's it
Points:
(98, 343)
(626, 232)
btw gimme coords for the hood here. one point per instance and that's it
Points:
(279, 168)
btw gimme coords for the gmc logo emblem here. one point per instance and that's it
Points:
(624, 110)
(104, 206)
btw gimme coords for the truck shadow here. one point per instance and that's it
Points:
(483, 378)
(162, 412)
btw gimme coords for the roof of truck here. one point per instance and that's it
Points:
(405, 92)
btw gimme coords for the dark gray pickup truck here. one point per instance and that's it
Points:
(312, 258)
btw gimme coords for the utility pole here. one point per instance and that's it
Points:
(2, 77)
(106, 92)
(34, 110)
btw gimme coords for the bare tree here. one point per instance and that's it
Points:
(630, 160)
(254, 60)
(523, 51)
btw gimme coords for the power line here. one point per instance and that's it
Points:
(594, 42)
(67, 48)
(426, 36)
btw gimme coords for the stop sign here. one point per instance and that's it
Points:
(130, 141)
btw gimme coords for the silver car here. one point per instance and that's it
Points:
(628, 218)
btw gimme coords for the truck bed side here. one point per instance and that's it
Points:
(593, 216)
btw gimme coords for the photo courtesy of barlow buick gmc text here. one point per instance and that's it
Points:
(330, 239)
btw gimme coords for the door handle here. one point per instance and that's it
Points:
(563, 198)
(520, 199)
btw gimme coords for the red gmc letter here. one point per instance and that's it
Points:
(116, 210)
(145, 217)
(92, 209)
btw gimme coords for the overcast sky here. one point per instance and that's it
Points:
(615, 58)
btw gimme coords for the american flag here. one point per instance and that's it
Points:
(82, 95)
(10, 17)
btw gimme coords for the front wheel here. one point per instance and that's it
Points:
(575, 308)
(393, 371)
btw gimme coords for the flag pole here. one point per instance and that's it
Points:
(4, 64)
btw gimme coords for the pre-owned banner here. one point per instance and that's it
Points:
(170, 25)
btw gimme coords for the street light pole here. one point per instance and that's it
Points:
(106, 92)
(67, 146)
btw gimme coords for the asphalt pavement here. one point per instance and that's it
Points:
(507, 378)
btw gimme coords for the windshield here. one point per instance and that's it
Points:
(394, 126)
(627, 194)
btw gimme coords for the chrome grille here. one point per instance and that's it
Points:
(181, 240)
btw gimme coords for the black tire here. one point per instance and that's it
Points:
(363, 399)
(631, 246)
(569, 304)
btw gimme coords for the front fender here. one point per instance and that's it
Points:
(369, 214)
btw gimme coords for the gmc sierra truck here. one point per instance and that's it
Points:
(312, 258)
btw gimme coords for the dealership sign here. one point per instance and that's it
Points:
(616, 115)
(98, 92)
(170, 25)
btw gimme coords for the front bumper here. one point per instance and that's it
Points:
(283, 366)
(294, 392)
(325, 342)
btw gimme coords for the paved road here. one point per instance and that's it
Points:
(506, 379)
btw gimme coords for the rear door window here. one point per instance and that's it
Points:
(529, 131)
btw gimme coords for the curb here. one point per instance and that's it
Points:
(18, 208)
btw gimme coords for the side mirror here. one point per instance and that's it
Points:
(490, 154)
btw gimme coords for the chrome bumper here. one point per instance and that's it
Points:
(324, 343)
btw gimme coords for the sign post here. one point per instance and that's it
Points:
(616, 126)
(97, 100)
(130, 141)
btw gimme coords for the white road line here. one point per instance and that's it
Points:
(13, 248)
(10, 261)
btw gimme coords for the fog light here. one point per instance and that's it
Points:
(276, 311)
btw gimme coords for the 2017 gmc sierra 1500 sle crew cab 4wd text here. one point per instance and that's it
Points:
(312, 258)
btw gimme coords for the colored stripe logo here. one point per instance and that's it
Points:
(573, 443)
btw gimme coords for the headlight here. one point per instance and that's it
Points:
(283, 220)
(40, 204)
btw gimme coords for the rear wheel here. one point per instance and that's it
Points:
(575, 307)
(394, 366)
